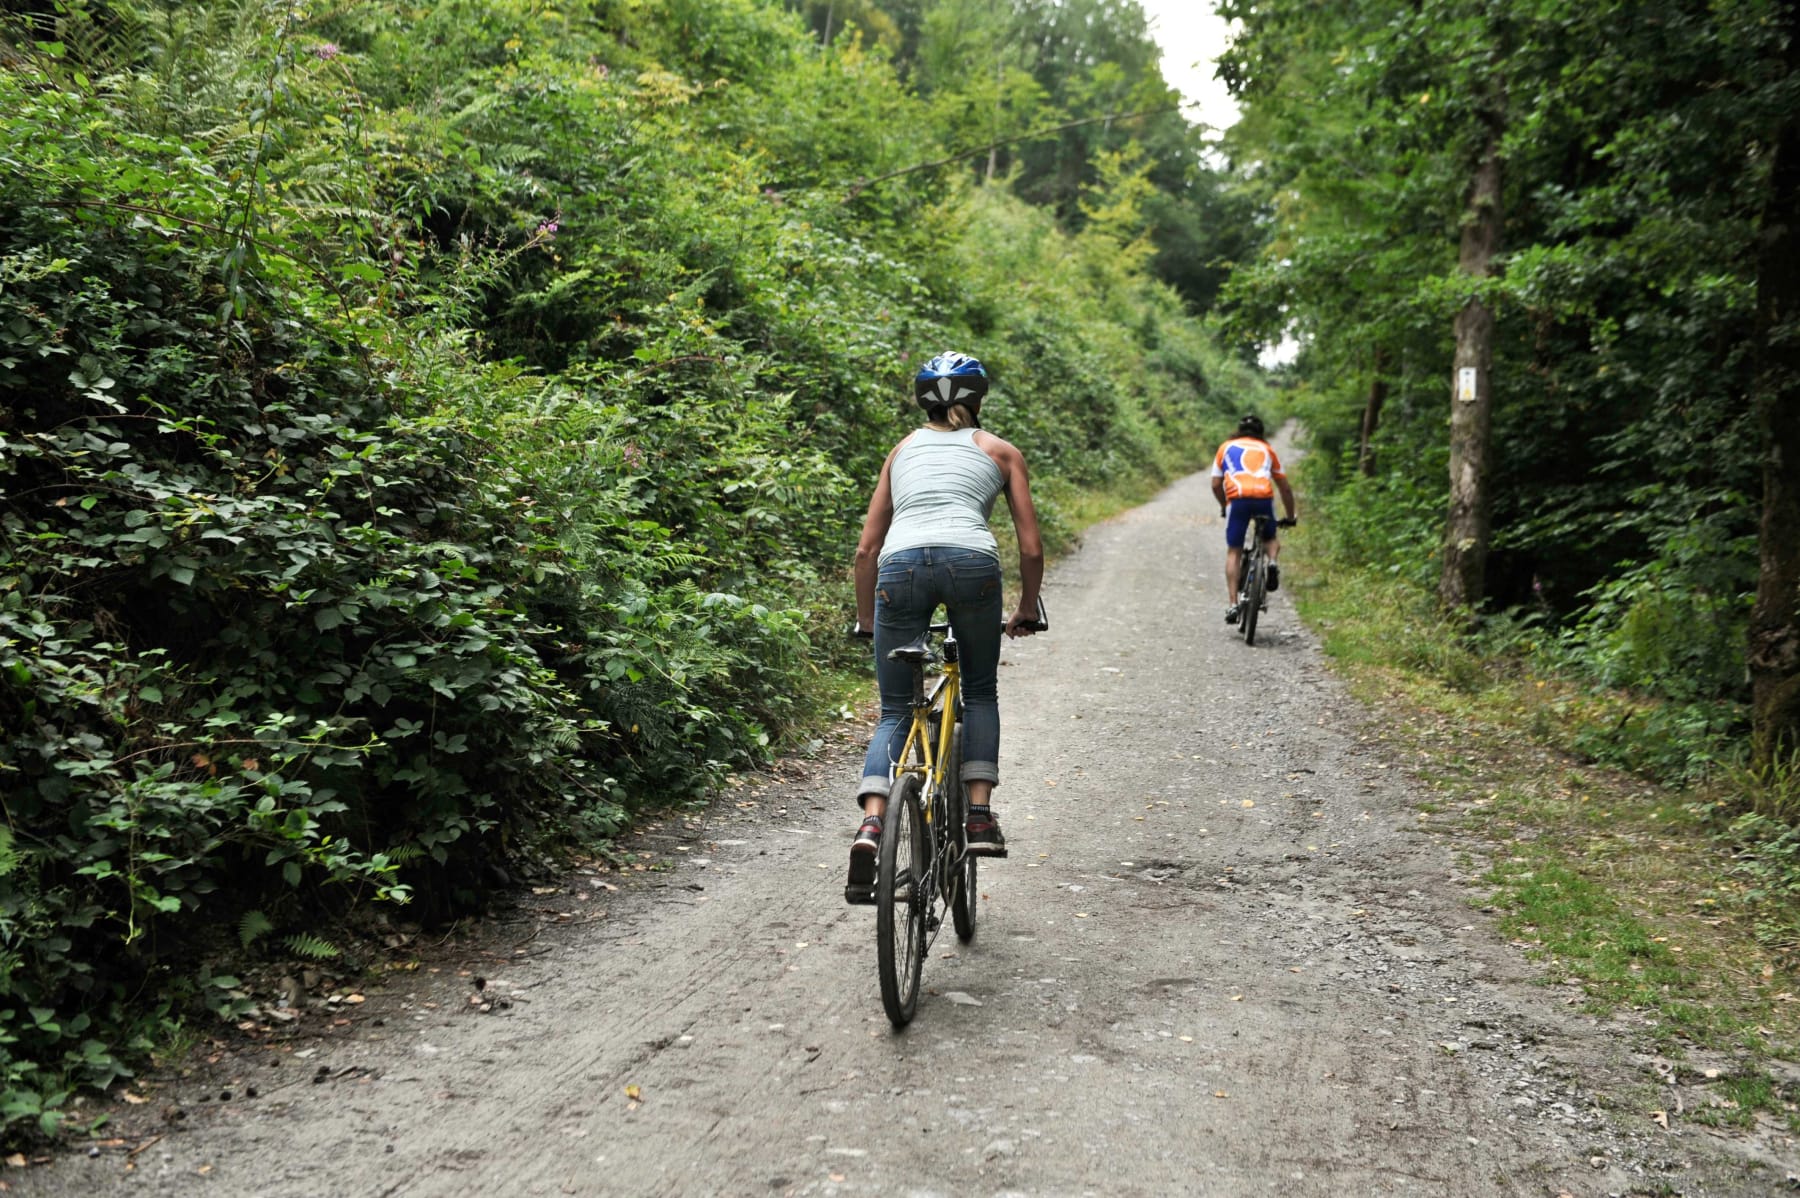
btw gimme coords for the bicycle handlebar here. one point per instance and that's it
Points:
(1284, 522)
(1041, 624)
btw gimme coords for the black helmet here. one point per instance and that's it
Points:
(951, 378)
(1250, 426)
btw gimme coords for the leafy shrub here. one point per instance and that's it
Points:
(424, 440)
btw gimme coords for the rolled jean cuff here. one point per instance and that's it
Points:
(873, 784)
(981, 771)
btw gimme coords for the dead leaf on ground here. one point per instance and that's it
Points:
(1662, 1119)
(633, 1093)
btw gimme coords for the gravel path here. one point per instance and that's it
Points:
(1221, 960)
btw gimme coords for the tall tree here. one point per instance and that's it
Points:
(1371, 418)
(1468, 525)
(1774, 651)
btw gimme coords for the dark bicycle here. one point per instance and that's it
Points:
(1253, 574)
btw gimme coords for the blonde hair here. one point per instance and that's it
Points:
(958, 416)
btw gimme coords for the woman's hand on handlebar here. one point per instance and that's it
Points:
(1028, 619)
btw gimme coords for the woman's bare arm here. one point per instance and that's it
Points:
(1025, 525)
(868, 546)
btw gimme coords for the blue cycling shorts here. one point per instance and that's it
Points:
(1237, 520)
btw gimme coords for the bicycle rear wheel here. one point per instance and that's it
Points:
(1256, 579)
(900, 915)
(963, 895)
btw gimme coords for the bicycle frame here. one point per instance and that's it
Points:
(920, 755)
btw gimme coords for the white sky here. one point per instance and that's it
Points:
(1191, 37)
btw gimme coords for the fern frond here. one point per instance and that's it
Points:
(313, 948)
(253, 925)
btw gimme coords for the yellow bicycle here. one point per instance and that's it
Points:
(924, 864)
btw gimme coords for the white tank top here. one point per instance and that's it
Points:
(944, 487)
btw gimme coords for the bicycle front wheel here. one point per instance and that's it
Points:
(956, 839)
(900, 893)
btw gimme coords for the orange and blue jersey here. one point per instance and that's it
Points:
(1249, 467)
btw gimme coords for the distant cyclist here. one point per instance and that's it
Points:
(1245, 476)
(924, 542)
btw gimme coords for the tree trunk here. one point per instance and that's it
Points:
(1471, 397)
(1371, 420)
(1774, 649)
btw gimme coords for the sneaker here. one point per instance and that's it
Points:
(984, 838)
(860, 887)
(1274, 577)
(1232, 612)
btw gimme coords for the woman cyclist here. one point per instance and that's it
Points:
(926, 542)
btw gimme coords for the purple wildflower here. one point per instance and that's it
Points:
(326, 51)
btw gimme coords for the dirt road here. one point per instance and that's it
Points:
(1222, 959)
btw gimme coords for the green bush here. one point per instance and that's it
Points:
(425, 440)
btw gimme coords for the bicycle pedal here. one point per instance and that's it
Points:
(860, 895)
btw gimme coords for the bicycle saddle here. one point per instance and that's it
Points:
(919, 650)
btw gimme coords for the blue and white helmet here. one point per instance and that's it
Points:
(951, 378)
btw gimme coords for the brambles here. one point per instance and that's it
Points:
(426, 440)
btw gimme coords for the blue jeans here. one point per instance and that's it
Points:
(908, 590)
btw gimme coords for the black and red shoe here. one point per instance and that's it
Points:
(860, 888)
(984, 838)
